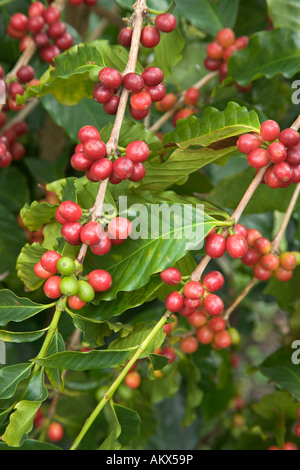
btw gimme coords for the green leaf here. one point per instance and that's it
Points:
(284, 13)
(10, 377)
(36, 390)
(167, 53)
(31, 444)
(124, 425)
(279, 403)
(13, 188)
(269, 53)
(27, 259)
(21, 337)
(12, 238)
(21, 422)
(157, 362)
(37, 214)
(17, 309)
(95, 332)
(84, 361)
(55, 376)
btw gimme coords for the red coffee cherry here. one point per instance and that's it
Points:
(289, 446)
(137, 151)
(174, 302)
(182, 114)
(125, 36)
(25, 73)
(119, 228)
(79, 161)
(94, 149)
(133, 379)
(261, 273)
(171, 276)
(289, 137)
(222, 339)
(213, 304)
(269, 130)
(242, 42)
(101, 93)
(169, 353)
(197, 319)
(157, 93)
(193, 290)
(64, 42)
(248, 142)
(19, 22)
(133, 82)
(56, 29)
(217, 324)
(271, 180)
(192, 303)
(188, 345)
(215, 245)
(138, 114)
(101, 170)
(241, 230)
(152, 76)
(186, 312)
(103, 246)
(169, 327)
(165, 22)
(270, 262)
(90, 233)
(87, 133)
(287, 261)
(40, 272)
(70, 211)
(123, 167)
(228, 52)
(213, 281)
(253, 235)
(258, 158)
(226, 37)
(211, 64)
(75, 303)
(55, 432)
(236, 246)
(36, 24)
(49, 261)
(283, 171)
(100, 280)
(277, 152)
(263, 246)
(42, 40)
(166, 103)
(141, 101)
(214, 50)
(191, 96)
(293, 156)
(138, 173)
(110, 77)
(205, 335)
(51, 287)
(111, 106)
(51, 14)
(150, 36)
(71, 231)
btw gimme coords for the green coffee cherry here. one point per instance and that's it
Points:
(85, 291)
(66, 266)
(234, 335)
(69, 286)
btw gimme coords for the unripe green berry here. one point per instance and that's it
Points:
(85, 291)
(66, 266)
(234, 335)
(69, 286)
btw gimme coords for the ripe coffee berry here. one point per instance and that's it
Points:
(101, 170)
(133, 82)
(188, 345)
(157, 93)
(289, 137)
(288, 261)
(137, 151)
(222, 339)
(49, 261)
(271, 180)
(236, 246)
(258, 158)
(197, 319)
(217, 324)
(192, 303)
(40, 272)
(25, 73)
(111, 106)
(191, 96)
(252, 236)
(283, 172)
(248, 142)
(79, 161)
(119, 228)
(75, 303)
(70, 211)
(100, 280)
(55, 432)
(169, 327)
(138, 173)
(186, 312)
(293, 156)
(226, 37)
(125, 36)
(165, 22)
(213, 281)
(213, 304)
(133, 379)
(205, 335)
(215, 245)
(193, 290)
(71, 231)
(110, 77)
(101, 93)
(277, 152)
(94, 149)
(269, 130)
(150, 36)
(214, 50)
(174, 302)
(141, 101)
(263, 246)
(123, 168)
(261, 273)
(103, 246)
(270, 262)
(166, 103)
(90, 233)
(51, 14)
(171, 276)
(169, 353)
(88, 133)
(152, 76)
(52, 287)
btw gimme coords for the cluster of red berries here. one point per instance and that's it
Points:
(235, 244)
(150, 34)
(16, 86)
(191, 97)
(221, 49)
(90, 156)
(44, 25)
(264, 262)
(278, 149)
(92, 234)
(10, 148)
(145, 89)
(89, 3)
(59, 272)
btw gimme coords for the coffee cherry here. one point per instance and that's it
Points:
(141, 101)
(125, 36)
(55, 432)
(283, 275)
(283, 172)
(213, 281)
(271, 180)
(273, 448)
(138, 173)
(269, 130)
(85, 291)
(297, 430)
(191, 96)
(52, 287)
(102, 93)
(186, 312)
(217, 324)
(123, 168)
(90, 233)
(258, 158)
(59, 218)
(222, 339)
(236, 246)
(247, 143)
(157, 93)
(15, 89)
(169, 327)
(133, 82)
(110, 77)
(182, 114)
(137, 151)
(25, 73)
(289, 446)
(261, 273)
(263, 246)
(169, 353)
(101, 169)
(66, 266)
(166, 103)
(171, 276)
(49, 261)
(188, 345)
(205, 335)
(277, 152)
(228, 52)
(100, 280)
(56, 29)
(19, 22)
(36, 24)
(270, 262)
(71, 231)
(197, 319)
(213, 304)
(70, 211)
(174, 302)
(133, 380)
(103, 246)
(214, 50)
(165, 22)
(79, 161)
(47, 54)
(152, 76)
(87, 133)
(94, 149)
(226, 37)
(293, 156)
(42, 40)
(242, 42)
(193, 290)
(40, 272)
(119, 228)
(36, 8)
(69, 286)
(138, 114)
(192, 303)
(215, 245)
(64, 42)
(113, 179)
(240, 229)
(252, 236)
(75, 302)
(211, 64)
(289, 137)
(111, 106)
(287, 261)
(51, 14)
(150, 36)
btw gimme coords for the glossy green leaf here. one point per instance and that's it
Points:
(20, 422)
(21, 337)
(17, 309)
(10, 376)
(284, 13)
(36, 389)
(27, 259)
(37, 214)
(124, 425)
(167, 53)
